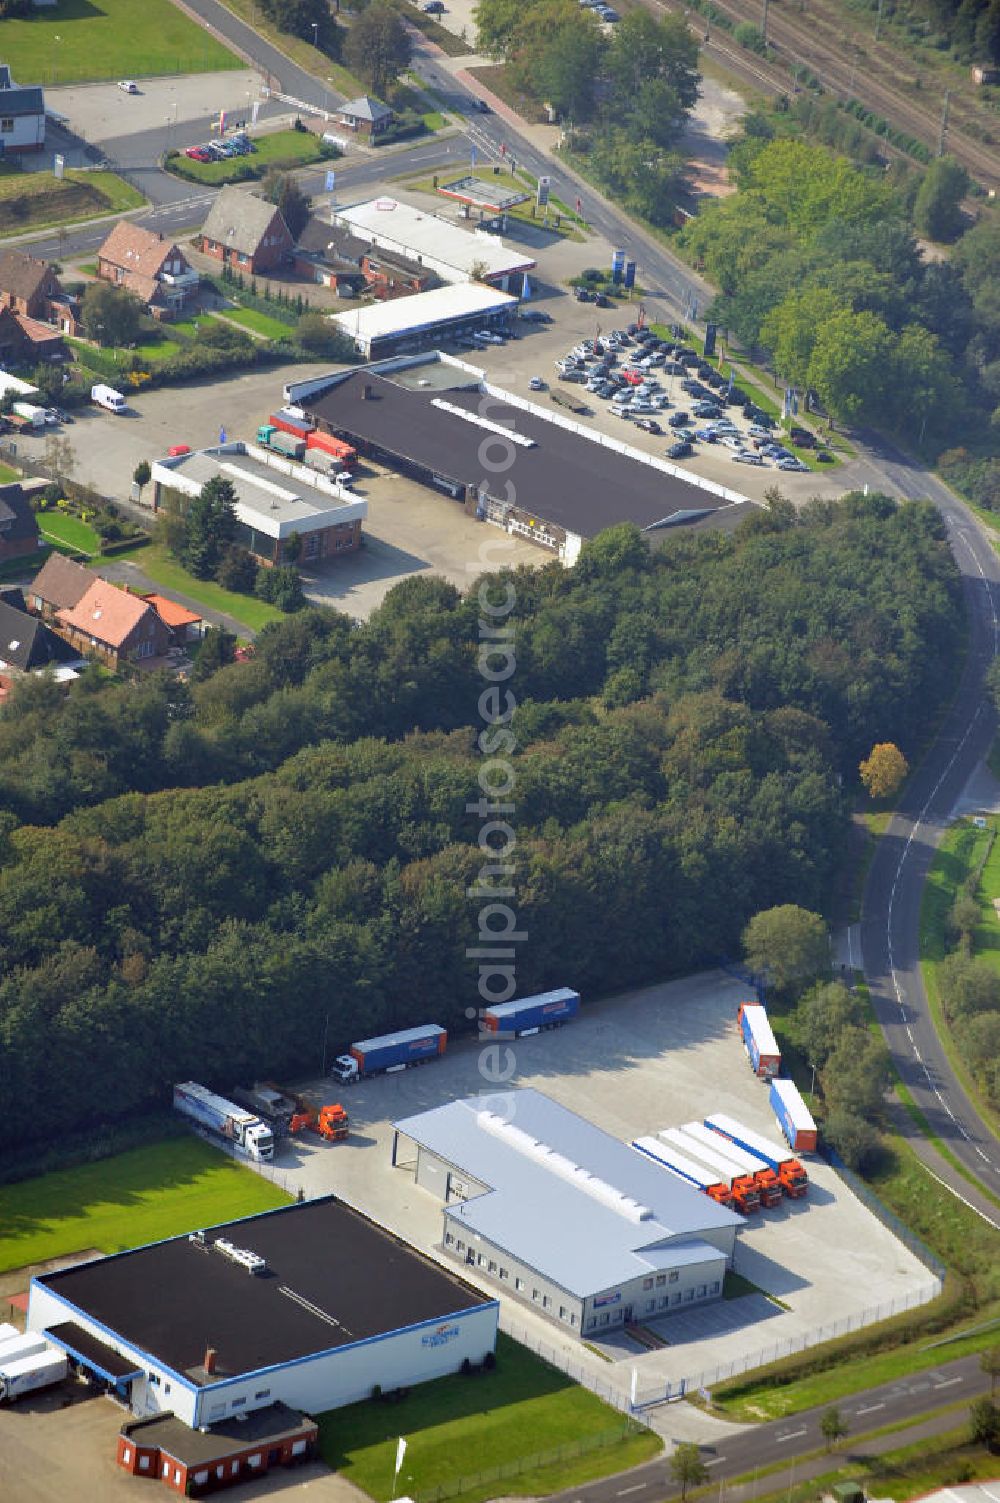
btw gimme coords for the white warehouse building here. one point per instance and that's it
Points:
(455, 254)
(564, 1216)
(309, 1306)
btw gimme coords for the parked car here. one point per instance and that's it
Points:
(536, 316)
(678, 420)
(433, 7)
(745, 456)
(649, 425)
(127, 85)
(680, 450)
(536, 384)
(803, 438)
(198, 154)
(583, 294)
(824, 457)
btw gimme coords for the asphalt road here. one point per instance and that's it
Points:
(760, 1446)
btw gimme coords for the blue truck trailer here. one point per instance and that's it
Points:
(532, 1014)
(390, 1051)
(758, 1040)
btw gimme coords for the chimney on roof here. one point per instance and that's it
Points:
(368, 392)
(209, 1363)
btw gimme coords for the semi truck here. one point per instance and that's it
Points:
(225, 1119)
(793, 1116)
(280, 442)
(685, 1169)
(794, 1180)
(532, 1014)
(342, 454)
(764, 1177)
(746, 1196)
(268, 1103)
(758, 1040)
(292, 420)
(330, 1121)
(390, 1052)
(28, 1363)
(33, 416)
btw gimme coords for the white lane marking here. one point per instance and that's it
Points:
(871, 1408)
(636, 1488)
(988, 1219)
(715, 1461)
(981, 1154)
(949, 1382)
(792, 1435)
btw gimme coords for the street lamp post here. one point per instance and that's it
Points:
(316, 35)
(326, 1030)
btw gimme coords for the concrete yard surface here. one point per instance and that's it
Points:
(633, 1065)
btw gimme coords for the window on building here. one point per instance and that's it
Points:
(547, 1302)
(674, 1275)
(647, 1283)
(459, 1245)
(702, 1290)
(448, 1239)
(662, 1301)
(492, 1266)
(661, 1279)
(536, 1295)
(591, 1323)
(504, 1275)
(263, 1393)
(572, 1317)
(650, 1305)
(563, 1312)
(675, 1299)
(716, 1287)
(144, 1463)
(234, 1469)
(237, 1403)
(126, 1455)
(166, 1469)
(688, 1295)
(519, 1285)
(201, 1477)
(166, 1388)
(605, 1318)
(254, 1460)
(7, 123)
(482, 1260)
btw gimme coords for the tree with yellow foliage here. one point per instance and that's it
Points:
(884, 771)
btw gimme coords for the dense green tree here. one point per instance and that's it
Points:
(790, 330)
(849, 365)
(786, 944)
(825, 1012)
(209, 526)
(832, 1426)
(937, 209)
(315, 333)
(857, 1073)
(686, 1467)
(852, 1136)
(110, 315)
(984, 1423)
(378, 46)
(282, 189)
(308, 19)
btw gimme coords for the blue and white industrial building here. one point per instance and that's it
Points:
(562, 1215)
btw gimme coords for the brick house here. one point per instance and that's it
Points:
(30, 288)
(332, 256)
(193, 1462)
(245, 232)
(155, 270)
(114, 625)
(25, 341)
(27, 645)
(365, 116)
(59, 585)
(183, 625)
(18, 528)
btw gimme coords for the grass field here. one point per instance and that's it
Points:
(36, 200)
(958, 855)
(76, 40)
(458, 1427)
(135, 1197)
(258, 323)
(284, 148)
(163, 570)
(7, 474)
(69, 532)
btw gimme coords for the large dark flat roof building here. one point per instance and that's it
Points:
(311, 1305)
(569, 482)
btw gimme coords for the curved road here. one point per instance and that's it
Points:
(890, 949)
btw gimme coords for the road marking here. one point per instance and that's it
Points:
(988, 1219)
(714, 1462)
(637, 1488)
(871, 1408)
(949, 1382)
(981, 1154)
(792, 1435)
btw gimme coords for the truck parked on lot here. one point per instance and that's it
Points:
(330, 1121)
(225, 1119)
(793, 1116)
(293, 420)
(343, 455)
(746, 1196)
(390, 1052)
(28, 1362)
(268, 1103)
(685, 1168)
(108, 398)
(532, 1014)
(764, 1177)
(758, 1040)
(33, 416)
(794, 1180)
(281, 442)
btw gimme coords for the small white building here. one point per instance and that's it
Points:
(275, 499)
(453, 253)
(22, 115)
(419, 322)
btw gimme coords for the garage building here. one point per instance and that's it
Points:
(565, 1217)
(308, 1306)
(455, 254)
(426, 319)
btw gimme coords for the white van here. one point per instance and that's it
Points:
(106, 396)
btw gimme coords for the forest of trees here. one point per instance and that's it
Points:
(817, 263)
(204, 880)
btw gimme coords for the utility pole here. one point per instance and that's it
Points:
(944, 123)
(763, 23)
(878, 20)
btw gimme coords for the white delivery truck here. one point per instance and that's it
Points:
(31, 414)
(25, 1374)
(106, 396)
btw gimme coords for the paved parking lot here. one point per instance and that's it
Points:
(103, 112)
(636, 1064)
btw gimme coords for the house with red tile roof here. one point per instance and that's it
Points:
(155, 270)
(184, 626)
(114, 625)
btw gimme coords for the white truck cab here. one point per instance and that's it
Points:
(345, 1069)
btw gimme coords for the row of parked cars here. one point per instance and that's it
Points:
(604, 11)
(238, 144)
(624, 367)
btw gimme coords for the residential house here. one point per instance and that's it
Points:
(18, 528)
(114, 625)
(31, 288)
(365, 116)
(59, 585)
(22, 115)
(152, 268)
(183, 625)
(332, 256)
(25, 341)
(27, 645)
(245, 232)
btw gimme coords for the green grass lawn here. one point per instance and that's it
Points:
(56, 527)
(165, 571)
(158, 348)
(283, 148)
(36, 200)
(7, 474)
(259, 323)
(132, 1198)
(76, 40)
(458, 1427)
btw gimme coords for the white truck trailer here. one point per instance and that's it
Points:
(27, 1362)
(226, 1120)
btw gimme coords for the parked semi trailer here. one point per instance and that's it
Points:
(267, 1103)
(532, 1014)
(389, 1052)
(758, 1040)
(21, 1375)
(225, 1119)
(764, 1177)
(685, 1169)
(270, 437)
(794, 1180)
(746, 1196)
(793, 1116)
